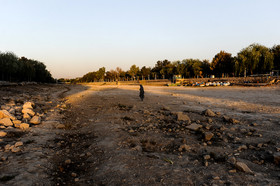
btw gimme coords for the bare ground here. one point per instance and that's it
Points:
(113, 138)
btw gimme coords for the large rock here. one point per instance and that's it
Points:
(3, 134)
(194, 127)
(28, 111)
(36, 120)
(182, 117)
(243, 167)
(24, 126)
(6, 114)
(28, 105)
(209, 112)
(6, 121)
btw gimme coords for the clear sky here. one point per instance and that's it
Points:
(73, 37)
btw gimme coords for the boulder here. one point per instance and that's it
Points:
(6, 114)
(182, 117)
(28, 111)
(209, 112)
(24, 126)
(194, 127)
(36, 120)
(6, 121)
(28, 105)
(3, 134)
(26, 116)
(243, 167)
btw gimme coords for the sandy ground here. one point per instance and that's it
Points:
(111, 137)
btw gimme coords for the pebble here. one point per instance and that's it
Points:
(209, 112)
(3, 134)
(243, 167)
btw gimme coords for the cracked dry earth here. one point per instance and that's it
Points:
(111, 137)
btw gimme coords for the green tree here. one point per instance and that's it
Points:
(133, 71)
(276, 56)
(255, 59)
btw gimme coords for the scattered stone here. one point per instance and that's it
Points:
(28, 105)
(137, 148)
(183, 117)
(232, 171)
(194, 127)
(232, 160)
(3, 134)
(36, 120)
(26, 116)
(28, 111)
(209, 112)
(60, 126)
(165, 108)
(276, 157)
(6, 121)
(6, 114)
(243, 167)
(24, 126)
(15, 149)
(207, 157)
(184, 147)
(242, 147)
(208, 136)
(68, 161)
(230, 120)
(19, 143)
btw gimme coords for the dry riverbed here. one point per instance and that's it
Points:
(105, 135)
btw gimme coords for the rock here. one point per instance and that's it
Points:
(232, 160)
(6, 121)
(26, 116)
(12, 111)
(28, 105)
(137, 148)
(183, 117)
(19, 143)
(6, 114)
(60, 126)
(194, 127)
(3, 134)
(36, 120)
(209, 112)
(207, 157)
(208, 136)
(15, 149)
(28, 111)
(231, 120)
(184, 147)
(242, 147)
(243, 167)
(276, 157)
(165, 108)
(68, 161)
(24, 126)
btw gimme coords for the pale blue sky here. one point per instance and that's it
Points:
(73, 37)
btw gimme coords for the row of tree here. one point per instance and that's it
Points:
(254, 59)
(17, 69)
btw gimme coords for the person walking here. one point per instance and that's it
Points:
(141, 95)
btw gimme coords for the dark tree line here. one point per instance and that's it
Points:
(254, 59)
(17, 69)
